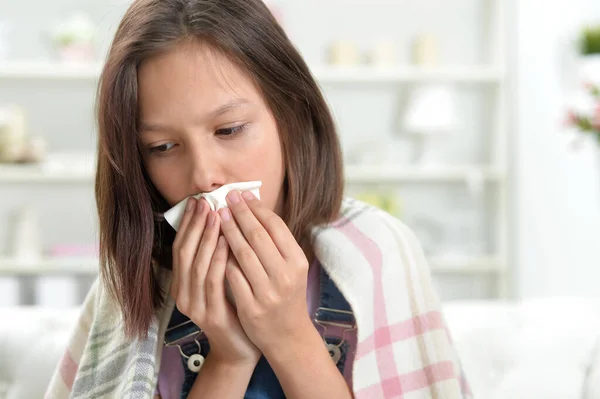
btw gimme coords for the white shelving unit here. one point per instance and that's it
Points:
(494, 75)
(48, 70)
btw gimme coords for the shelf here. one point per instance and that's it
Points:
(88, 266)
(354, 174)
(40, 174)
(465, 265)
(67, 169)
(50, 70)
(406, 74)
(400, 173)
(54, 70)
(49, 266)
(32, 174)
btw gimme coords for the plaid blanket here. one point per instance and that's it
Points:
(404, 349)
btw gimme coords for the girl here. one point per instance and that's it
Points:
(330, 298)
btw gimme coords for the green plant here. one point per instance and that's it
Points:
(78, 29)
(590, 40)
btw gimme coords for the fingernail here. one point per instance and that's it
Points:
(234, 197)
(212, 218)
(190, 205)
(200, 206)
(248, 195)
(225, 214)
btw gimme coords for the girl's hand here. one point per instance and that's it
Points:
(199, 264)
(267, 274)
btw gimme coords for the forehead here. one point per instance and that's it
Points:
(192, 74)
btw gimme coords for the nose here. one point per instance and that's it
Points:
(205, 173)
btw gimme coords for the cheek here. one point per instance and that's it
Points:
(274, 173)
(264, 162)
(168, 184)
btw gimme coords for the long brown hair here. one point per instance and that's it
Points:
(132, 234)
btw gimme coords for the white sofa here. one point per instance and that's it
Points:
(32, 340)
(538, 349)
(543, 349)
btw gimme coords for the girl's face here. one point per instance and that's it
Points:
(204, 124)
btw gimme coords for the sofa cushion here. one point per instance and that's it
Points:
(539, 349)
(32, 340)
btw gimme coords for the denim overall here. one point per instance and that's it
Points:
(333, 310)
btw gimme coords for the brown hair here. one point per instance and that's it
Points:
(132, 234)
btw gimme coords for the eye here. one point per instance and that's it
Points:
(230, 131)
(161, 149)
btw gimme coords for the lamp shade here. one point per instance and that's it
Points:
(431, 110)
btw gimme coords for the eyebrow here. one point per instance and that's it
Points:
(219, 111)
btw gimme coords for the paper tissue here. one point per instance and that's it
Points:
(216, 200)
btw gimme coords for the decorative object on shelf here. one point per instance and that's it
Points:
(15, 143)
(73, 250)
(430, 112)
(386, 201)
(73, 38)
(24, 232)
(383, 53)
(343, 52)
(13, 134)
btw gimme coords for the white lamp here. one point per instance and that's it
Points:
(431, 108)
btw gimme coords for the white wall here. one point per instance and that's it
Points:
(558, 190)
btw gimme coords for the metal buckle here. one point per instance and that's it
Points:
(335, 350)
(173, 342)
(325, 323)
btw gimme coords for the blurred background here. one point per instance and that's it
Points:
(476, 122)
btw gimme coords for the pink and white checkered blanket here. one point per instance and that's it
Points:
(403, 351)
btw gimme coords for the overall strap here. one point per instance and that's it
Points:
(180, 327)
(333, 308)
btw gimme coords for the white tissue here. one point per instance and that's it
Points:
(216, 200)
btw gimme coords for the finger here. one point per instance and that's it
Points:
(185, 221)
(206, 252)
(215, 279)
(279, 232)
(254, 233)
(188, 247)
(240, 286)
(243, 252)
